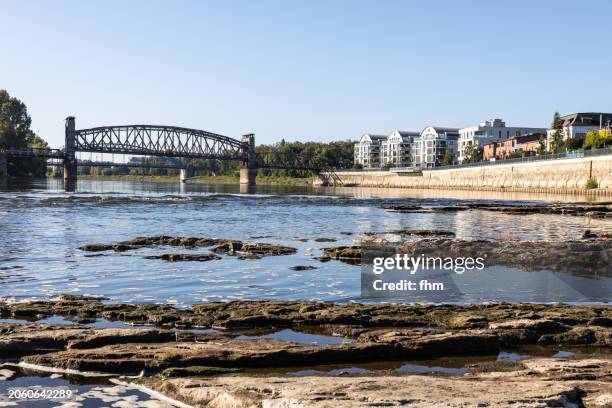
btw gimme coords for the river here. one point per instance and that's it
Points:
(41, 228)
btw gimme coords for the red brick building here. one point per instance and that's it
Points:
(503, 149)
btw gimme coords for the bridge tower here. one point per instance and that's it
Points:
(248, 168)
(70, 162)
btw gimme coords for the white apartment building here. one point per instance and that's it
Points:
(490, 131)
(395, 149)
(576, 125)
(367, 150)
(429, 148)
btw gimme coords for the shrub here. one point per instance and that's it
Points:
(591, 183)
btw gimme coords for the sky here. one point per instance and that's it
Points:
(304, 70)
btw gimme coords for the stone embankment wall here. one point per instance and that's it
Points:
(557, 176)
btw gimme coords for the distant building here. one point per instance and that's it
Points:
(506, 148)
(488, 132)
(395, 149)
(576, 126)
(429, 148)
(367, 150)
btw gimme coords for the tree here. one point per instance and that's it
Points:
(542, 147)
(594, 139)
(472, 154)
(15, 133)
(448, 157)
(557, 144)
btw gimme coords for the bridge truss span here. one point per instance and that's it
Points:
(169, 141)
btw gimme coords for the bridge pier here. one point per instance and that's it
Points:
(185, 174)
(248, 168)
(70, 162)
(3, 170)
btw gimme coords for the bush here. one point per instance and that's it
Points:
(591, 183)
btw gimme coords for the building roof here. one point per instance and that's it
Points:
(586, 119)
(372, 138)
(442, 129)
(406, 133)
(531, 137)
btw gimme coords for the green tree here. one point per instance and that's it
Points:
(15, 133)
(448, 157)
(472, 154)
(557, 143)
(594, 139)
(542, 147)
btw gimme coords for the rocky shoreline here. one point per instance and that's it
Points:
(208, 352)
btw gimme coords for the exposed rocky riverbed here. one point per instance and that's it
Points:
(595, 210)
(179, 361)
(591, 255)
(216, 245)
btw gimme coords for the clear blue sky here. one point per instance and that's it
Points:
(305, 70)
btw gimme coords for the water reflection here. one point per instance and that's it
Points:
(42, 227)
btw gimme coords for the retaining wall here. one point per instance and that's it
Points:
(556, 176)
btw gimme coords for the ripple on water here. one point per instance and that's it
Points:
(43, 227)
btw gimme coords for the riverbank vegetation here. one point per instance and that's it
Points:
(261, 179)
(322, 155)
(16, 133)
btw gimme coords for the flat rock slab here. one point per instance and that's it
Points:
(345, 318)
(582, 257)
(154, 351)
(219, 245)
(185, 257)
(595, 210)
(538, 384)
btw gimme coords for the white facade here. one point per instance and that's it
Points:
(490, 131)
(367, 150)
(429, 148)
(577, 125)
(395, 149)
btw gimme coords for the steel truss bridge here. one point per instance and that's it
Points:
(165, 142)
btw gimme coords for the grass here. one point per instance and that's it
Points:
(263, 180)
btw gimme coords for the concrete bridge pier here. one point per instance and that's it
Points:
(185, 174)
(248, 168)
(70, 162)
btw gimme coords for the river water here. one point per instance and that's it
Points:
(41, 228)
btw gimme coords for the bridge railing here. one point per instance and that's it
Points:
(32, 152)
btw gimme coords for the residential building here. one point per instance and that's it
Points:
(489, 131)
(367, 150)
(395, 149)
(429, 148)
(576, 126)
(506, 148)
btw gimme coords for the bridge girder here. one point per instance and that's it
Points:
(151, 140)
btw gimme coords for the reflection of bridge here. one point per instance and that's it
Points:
(161, 141)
